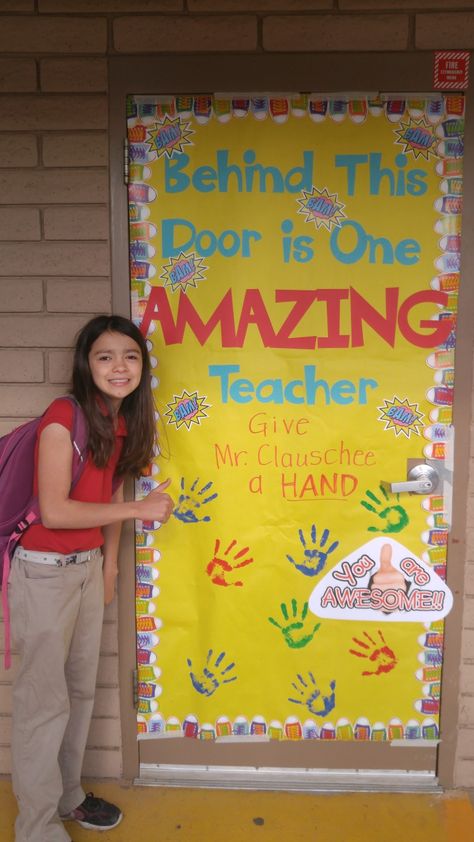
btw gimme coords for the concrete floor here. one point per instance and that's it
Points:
(179, 815)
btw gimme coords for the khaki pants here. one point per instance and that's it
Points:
(56, 617)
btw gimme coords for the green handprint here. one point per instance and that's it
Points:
(293, 630)
(395, 517)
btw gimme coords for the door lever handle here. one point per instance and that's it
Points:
(421, 479)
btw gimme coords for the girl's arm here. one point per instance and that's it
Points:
(58, 511)
(111, 535)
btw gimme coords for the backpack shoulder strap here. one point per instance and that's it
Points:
(79, 438)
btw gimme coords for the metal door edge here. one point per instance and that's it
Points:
(288, 780)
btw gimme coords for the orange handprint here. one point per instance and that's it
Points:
(379, 654)
(219, 569)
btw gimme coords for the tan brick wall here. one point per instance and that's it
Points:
(332, 32)
(54, 228)
(54, 253)
(80, 75)
(18, 150)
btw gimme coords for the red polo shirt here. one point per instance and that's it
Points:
(94, 486)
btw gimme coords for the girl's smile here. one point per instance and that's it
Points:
(115, 361)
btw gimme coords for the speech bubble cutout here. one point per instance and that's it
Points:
(382, 581)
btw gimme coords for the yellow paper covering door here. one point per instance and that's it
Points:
(295, 267)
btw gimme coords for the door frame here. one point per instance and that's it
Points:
(408, 72)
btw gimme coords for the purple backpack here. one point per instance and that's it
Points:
(19, 507)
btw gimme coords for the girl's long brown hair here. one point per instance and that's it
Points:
(137, 408)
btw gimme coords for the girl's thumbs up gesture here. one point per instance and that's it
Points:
(157, 505)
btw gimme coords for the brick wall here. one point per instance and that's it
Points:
(54, 228)
(54, 252)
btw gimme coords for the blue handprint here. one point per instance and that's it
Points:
(188, 504)
(314, 557)
(209, 680)
(311, 696)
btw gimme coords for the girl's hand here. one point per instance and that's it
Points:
(110, 576)
(157, 505)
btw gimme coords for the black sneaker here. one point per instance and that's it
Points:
(95, 814)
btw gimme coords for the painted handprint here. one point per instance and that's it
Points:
(189, 504)
(222, 566)
(315, 701)
(393, 517)
(382, 659)
(212, 675)
(315, 555)
(296, 633)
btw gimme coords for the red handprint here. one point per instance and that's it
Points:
(220, 568)
(380, 655)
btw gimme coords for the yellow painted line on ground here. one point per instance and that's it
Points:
(198, 815)
(458, 818)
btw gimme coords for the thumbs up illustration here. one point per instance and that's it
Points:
(387, 576)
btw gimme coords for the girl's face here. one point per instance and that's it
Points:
(115, 362)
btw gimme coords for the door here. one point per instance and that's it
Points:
(294, 264)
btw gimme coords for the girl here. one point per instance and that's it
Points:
(60, 568)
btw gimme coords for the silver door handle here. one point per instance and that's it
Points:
(421, 479)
